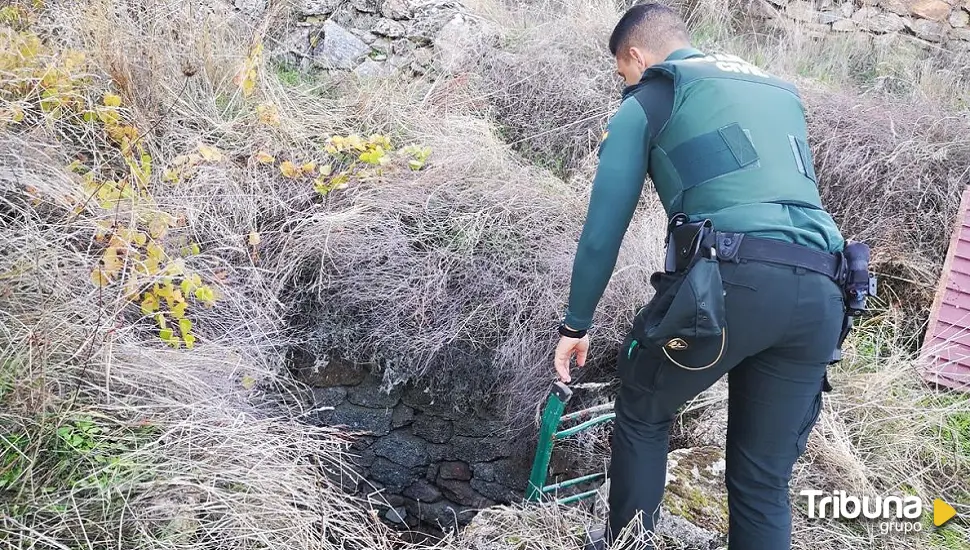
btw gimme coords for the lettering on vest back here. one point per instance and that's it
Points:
(730, 64)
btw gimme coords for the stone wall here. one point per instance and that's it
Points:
(943, 23)
(372, 38)
(424, 465)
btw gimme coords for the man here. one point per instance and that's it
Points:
(724, 141)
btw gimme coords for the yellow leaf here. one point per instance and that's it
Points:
(354, 141)
(149, 303)
(160, 319)
(205, 295)
(325, 170)
(99, 278)
(112, 100)
(268, 114)
(308, 167)
(158, 227)
(174, 299)
(249, 84)
(111, 261)
(178, 310)
(189, 340)
(164, 291)
(185, 326)
(195, 249)
(253, 238)
(248, 382)
(264, 158)
(210, 153)
(154, 251)
(289, 170)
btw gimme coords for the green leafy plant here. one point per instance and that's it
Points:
(136, 254)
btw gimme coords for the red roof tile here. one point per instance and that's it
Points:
(946, 346)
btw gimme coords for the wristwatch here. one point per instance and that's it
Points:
(570, 333)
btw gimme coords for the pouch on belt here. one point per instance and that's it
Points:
(686, 317)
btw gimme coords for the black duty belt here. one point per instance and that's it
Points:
(734, 247)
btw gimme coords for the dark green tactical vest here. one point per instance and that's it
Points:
(735, 144)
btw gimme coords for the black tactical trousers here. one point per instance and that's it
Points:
(782, 325)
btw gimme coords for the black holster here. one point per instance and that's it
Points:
(686, 241)
(856, 282)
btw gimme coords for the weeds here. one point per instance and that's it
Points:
(184, 179)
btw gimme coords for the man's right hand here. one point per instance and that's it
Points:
(565, 350)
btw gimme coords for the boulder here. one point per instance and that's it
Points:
(432, 428)
(393, 476)
(844, 25)
(873, 19)
(359, 419)
(339, 49)
(454, 470)
(959, 18)
(403, 448)
(932, 31)
(473, 449)
(396, 515)
(396, 9)
(695, 487)
(318, 7)
(679, 533)
(328, 397)
(366, 6)
(899, 7)
(369, 394)
(693, 514)
(800, 10)
(934, 10)
(422, 491)
(389, 28)
(444, 513)
(402, 415)
(463, 493)
(321, 372)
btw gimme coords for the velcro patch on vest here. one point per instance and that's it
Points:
(803, 156)
(712, 155)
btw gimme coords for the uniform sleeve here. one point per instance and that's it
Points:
(616, 191)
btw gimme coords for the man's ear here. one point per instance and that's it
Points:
(639, 57)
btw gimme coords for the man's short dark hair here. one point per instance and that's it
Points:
(650, 25)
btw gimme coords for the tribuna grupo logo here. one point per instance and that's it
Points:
(895, 514)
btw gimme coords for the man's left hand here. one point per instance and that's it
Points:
(564, 353)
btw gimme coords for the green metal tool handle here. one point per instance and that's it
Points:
(555, 405)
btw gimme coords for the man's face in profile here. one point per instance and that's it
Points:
(630, 64)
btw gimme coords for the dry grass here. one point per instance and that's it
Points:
(452, 276)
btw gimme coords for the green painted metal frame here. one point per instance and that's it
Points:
(549, 433)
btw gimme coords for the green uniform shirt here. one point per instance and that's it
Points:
(621, 173)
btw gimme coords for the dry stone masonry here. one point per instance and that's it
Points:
(371, 38)
(944, 23)
(424, 466)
